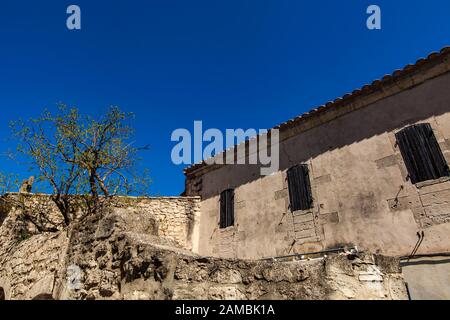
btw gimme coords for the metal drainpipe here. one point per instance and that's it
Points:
(312, 253)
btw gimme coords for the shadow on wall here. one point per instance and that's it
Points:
(43, 296)
(4, 210)
(386, 115)
(2, 217)
(421, 263)
(2, 294)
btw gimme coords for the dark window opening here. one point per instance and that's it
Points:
(421, 152)
(300, 196)
(227, 208)
(2, 294)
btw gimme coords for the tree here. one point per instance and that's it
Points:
(76, 154)
(8, 182)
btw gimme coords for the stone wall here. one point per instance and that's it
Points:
(28, 260)
(107, 257)
(175, 217)
(28, 267)
(169, 217)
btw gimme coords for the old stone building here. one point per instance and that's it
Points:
(362, 189)
(368, 170)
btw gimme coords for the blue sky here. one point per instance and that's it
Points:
(231, 64)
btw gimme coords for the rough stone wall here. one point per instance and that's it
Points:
(169, 217)
(175, 217)
(107, 258)
(29, 267)
(28, 262)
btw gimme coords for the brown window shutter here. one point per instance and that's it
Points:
(227, 208)
(421, 153)
(299, 185)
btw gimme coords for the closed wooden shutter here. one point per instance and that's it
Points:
(227, 208)
(300, 196)
(421, 152)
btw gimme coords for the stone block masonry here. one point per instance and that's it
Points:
(173, 218)
(133, 252)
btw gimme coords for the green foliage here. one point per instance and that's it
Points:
(8, 183)
(24, 235)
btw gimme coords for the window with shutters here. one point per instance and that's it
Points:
(421, 152)
(227, 208)
(299, 185)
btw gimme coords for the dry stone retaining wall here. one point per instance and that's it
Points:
(122, 255)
